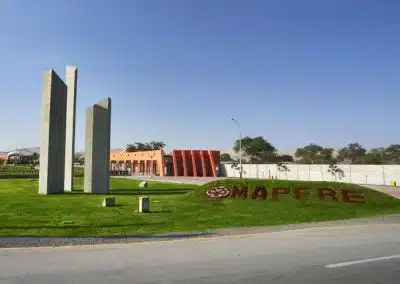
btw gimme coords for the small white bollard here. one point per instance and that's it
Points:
(143, 184)
(144, 204)
(109, 202)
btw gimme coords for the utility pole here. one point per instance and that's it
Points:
(240, 148)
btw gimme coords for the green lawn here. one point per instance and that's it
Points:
(175, 207)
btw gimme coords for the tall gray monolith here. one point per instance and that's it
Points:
(52, 140)
(71, 81)
(97, 148)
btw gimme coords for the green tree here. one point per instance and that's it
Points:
(282, 167)
(236, 167)
(286, 158)
(34, 161)
(314, 154)
(156, 145)
(139, 146)
(353, 153)
(142, 146)
(79, 158)
(226, 157)
(335, 171)
(130, 148)
(392, 154)
(375, 156)
(257, 149)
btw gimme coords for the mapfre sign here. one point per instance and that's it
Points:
(220, 192)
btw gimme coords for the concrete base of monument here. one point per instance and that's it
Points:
(144, 204)
(109, 202)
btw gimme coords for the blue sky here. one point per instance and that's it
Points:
(293, 71)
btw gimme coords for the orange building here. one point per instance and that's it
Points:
(187, 163)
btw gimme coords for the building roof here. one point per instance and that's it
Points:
(24, 152)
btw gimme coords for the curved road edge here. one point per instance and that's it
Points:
(43, 242)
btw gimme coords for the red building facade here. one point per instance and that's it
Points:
(186, 163)
(196, 163)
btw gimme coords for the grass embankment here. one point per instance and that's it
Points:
(175, 207)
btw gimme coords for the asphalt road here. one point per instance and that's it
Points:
(367, 254)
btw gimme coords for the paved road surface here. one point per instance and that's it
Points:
(366, 254)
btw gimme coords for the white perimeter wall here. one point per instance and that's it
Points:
(359, 174)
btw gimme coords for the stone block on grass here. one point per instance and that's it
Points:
(143, 184)
(144, 204)
(109, 202)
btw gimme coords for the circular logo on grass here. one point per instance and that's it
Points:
(217, 192)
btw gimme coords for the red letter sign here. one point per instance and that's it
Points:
(276, 191)
(260, 193)
(240, 193)
(352, 196)
(298, 192)
(322, 192)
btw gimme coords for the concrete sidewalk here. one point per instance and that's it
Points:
(186, 180)
(389, 190)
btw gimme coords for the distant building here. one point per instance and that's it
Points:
(23, 155)
(187, 163)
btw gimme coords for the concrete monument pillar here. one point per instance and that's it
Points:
(52, 140)
(71, 80)
(97, 148)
